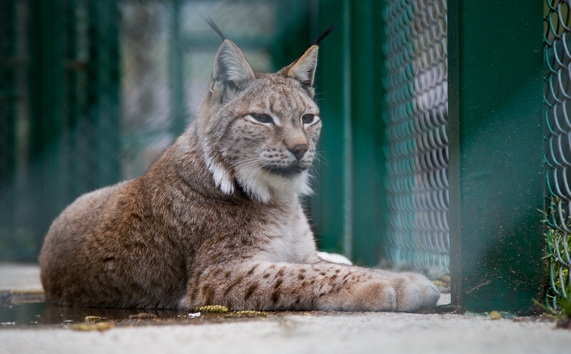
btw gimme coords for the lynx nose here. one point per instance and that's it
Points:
(299, 150)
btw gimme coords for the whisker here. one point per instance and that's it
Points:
(320, 160)
(314, 173)
(248, 162)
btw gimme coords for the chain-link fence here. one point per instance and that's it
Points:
(417, 151)
(92, 92)
(557, 110)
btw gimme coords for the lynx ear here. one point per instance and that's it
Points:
(231, 70)
(303, 69)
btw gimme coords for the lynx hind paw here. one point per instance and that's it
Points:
(415, 292)
(334, 258)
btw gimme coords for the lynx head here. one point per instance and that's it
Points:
(259, 131)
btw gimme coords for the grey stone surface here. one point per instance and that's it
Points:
(296, 333)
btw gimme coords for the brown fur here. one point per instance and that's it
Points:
(216, 219)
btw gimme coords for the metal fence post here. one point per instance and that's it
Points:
(8, 99)
(104, 88)
(349, 87)
(496, 154)
(367, 109)
(334, 103)
(46, 76)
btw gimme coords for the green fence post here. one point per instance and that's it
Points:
(333, 202)
(46, 76)
(74, 94)
(292, 36)
(8, 99)
(496, 153)
(367, 106)
(104, 81)
(351, 203)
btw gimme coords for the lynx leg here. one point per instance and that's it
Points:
(286, 286)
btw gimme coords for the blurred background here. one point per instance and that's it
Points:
(445, 140)
(92, 92)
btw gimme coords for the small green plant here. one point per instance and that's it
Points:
(558, 244)
(566, 307)
(561, 310)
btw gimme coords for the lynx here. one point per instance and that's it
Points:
(217, 218)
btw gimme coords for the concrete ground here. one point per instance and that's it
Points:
(314, 332)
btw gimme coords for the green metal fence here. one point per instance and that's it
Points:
(417, 143)
(496, 167)
(349, 207)
(60, 118)
(92, 92)
(433, 149)
(557, 113)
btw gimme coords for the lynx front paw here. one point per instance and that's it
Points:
(405, 292)
(414, 292)
(384, 291)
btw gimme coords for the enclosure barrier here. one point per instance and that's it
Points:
(91, 92)
(496, 142)
(557, 111)
(432, 153)
(417, 143)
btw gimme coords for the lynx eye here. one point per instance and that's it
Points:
(262, 118)
(308, 118)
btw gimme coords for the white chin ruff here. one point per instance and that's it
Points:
(265, 186)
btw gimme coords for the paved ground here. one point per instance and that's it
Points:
(292, 333)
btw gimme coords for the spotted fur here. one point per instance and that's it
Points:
(217, 218)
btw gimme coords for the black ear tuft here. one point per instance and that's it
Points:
(215, 27)
(324, 34)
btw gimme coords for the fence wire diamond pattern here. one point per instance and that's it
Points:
(557, 113)
(417, 150)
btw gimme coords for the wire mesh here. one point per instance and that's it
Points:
(417, 145)
(557, 111)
